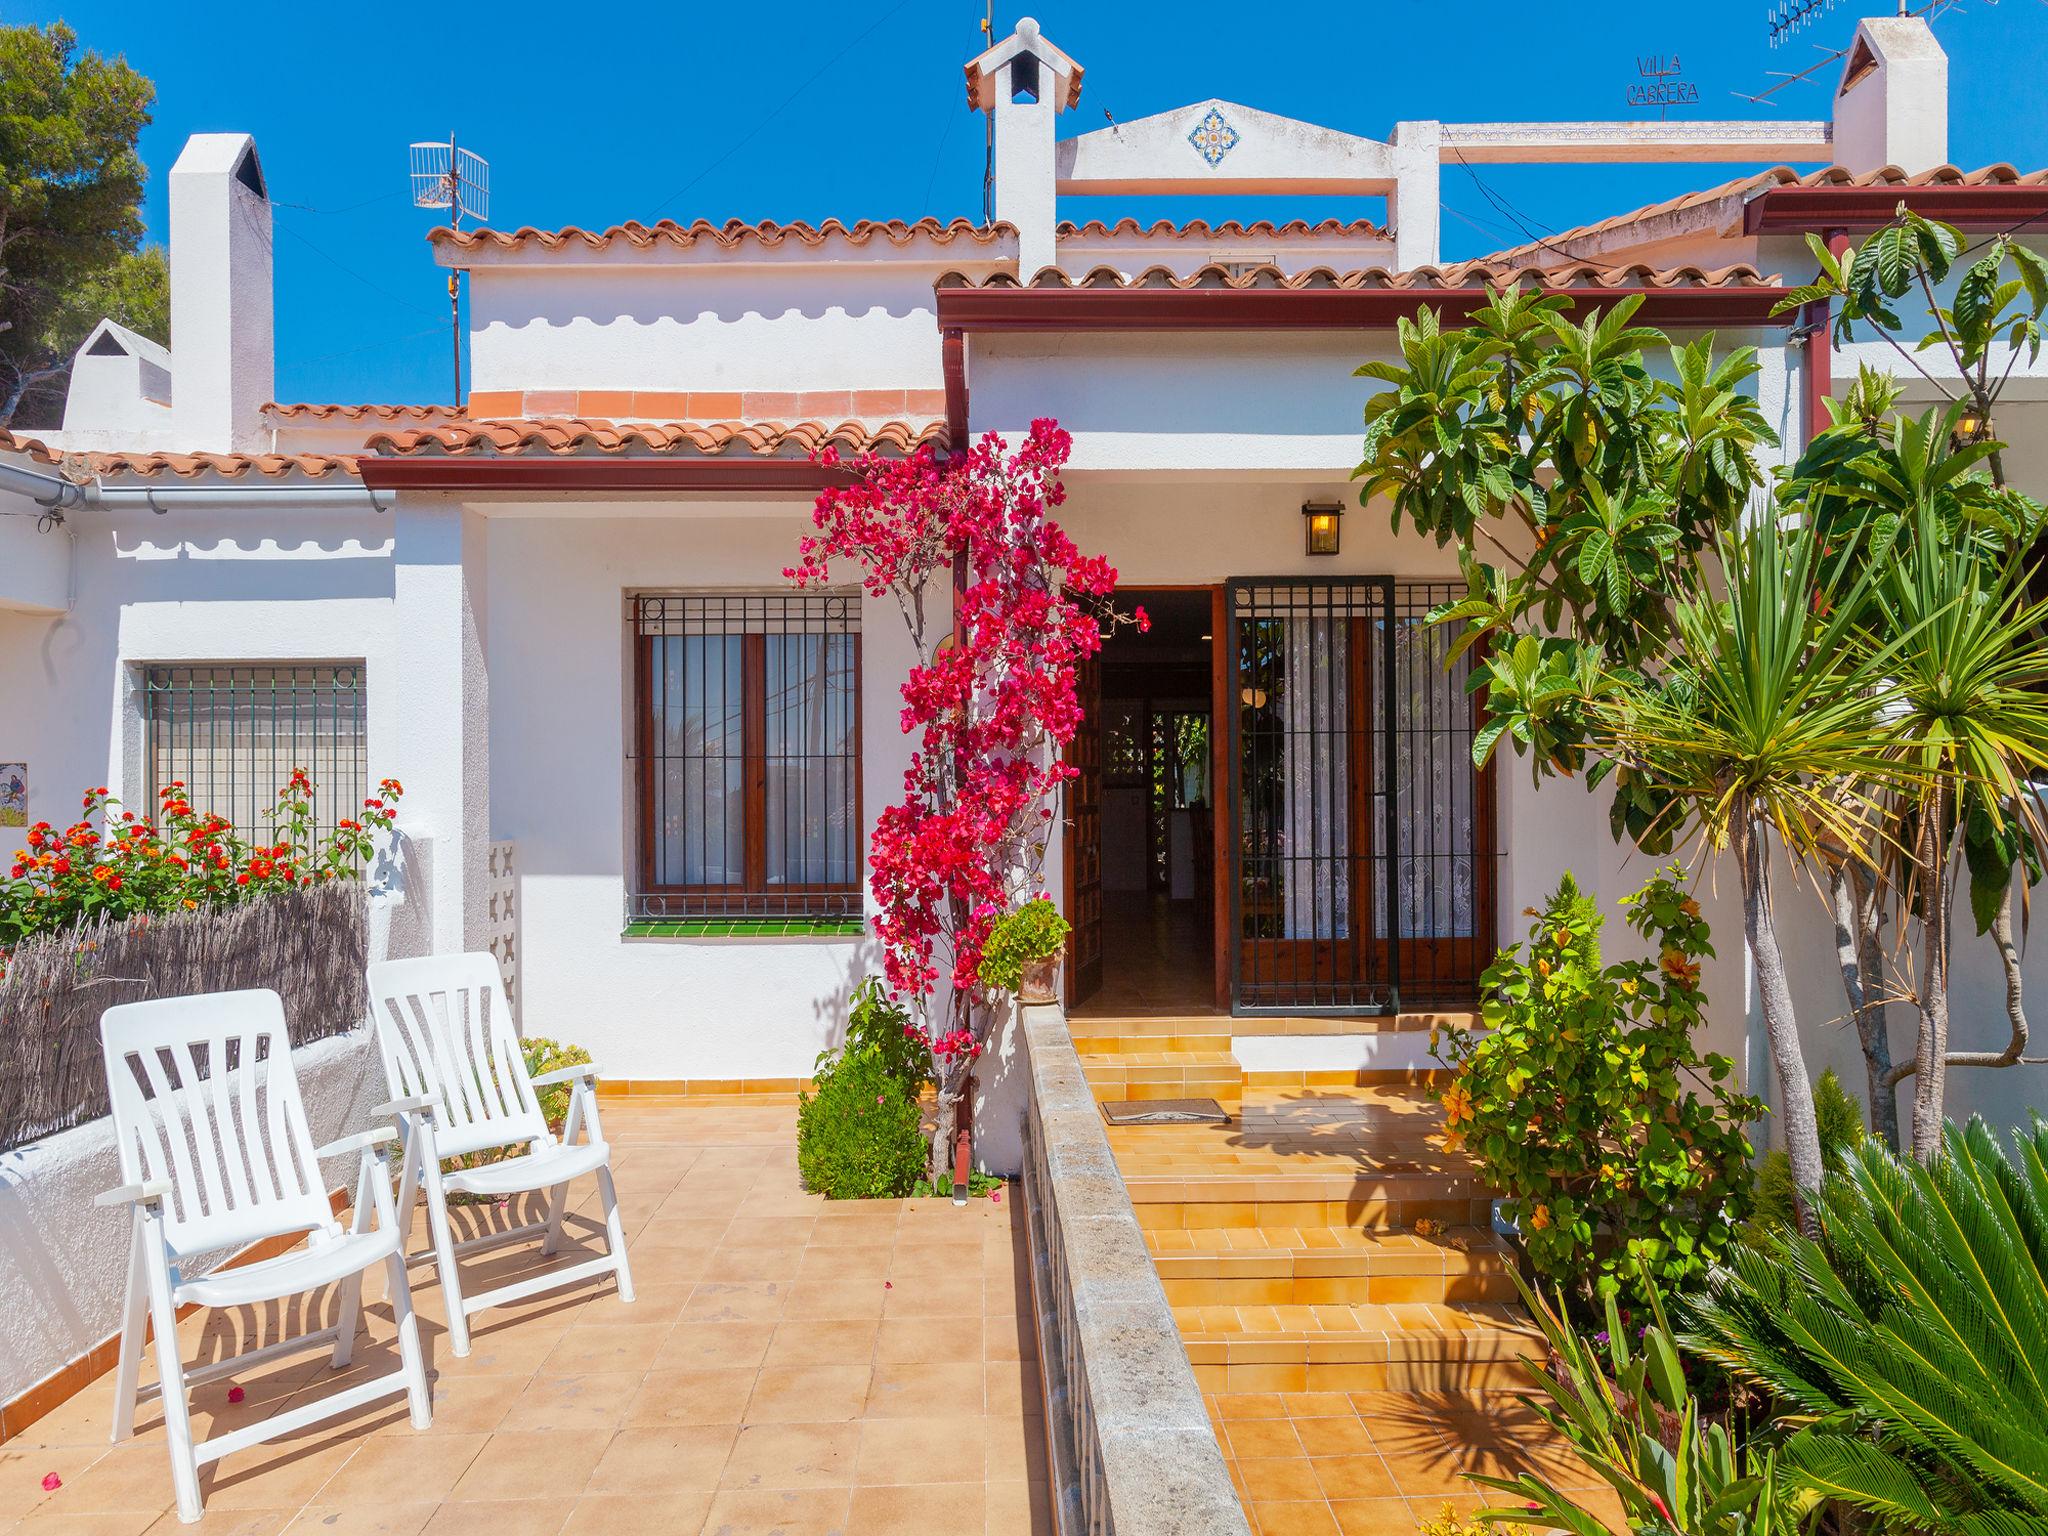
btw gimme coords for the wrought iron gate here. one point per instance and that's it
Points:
(1363, 837)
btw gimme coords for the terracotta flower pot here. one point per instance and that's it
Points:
(1041, 979)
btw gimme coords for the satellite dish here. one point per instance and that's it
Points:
(448, 176)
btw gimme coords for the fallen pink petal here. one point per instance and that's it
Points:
(236, 1394)
(52, 1482)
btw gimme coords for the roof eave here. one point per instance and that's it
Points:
(1281, 309)
(1797, 209)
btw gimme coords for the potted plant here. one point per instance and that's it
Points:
(1023, 951)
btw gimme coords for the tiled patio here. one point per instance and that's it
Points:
(790, 1366)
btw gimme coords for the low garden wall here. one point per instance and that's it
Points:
(1133, 1452)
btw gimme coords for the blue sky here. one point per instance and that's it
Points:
(806, 111)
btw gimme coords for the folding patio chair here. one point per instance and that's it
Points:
(459, 1081)
(216, 1154)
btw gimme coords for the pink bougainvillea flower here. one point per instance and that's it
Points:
(888, 1285)
(52, 1482)
(236, 1394)
(995, 1196)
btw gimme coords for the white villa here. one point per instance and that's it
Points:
(641, 766)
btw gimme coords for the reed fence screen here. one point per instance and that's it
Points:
(309, 946)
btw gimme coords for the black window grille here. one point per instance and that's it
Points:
(232, 734)
(748, 745)
(1364, 836)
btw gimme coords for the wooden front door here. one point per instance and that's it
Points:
(1083, 851)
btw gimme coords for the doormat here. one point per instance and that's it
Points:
(1165, 1112)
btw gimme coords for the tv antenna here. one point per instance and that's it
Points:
(449, 176)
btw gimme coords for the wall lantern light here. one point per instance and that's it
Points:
(1972, 426)
(1320, 519)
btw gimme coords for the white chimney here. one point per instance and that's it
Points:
(222, 327)
(1892, 105)
(1024, 82)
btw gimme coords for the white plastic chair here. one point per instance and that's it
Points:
(221, 1161)
(459, 1080)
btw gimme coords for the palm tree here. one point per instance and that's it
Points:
(1910, 1338)
(1765, 723)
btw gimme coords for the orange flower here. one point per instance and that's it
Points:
(1539, 1219)
(1457, 1101)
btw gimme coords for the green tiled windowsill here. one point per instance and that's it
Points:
(745, 927)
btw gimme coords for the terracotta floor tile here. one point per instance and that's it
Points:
(735, 1301)
(903, 1390)
(916, 1509)
(796, 1394)
(588, 1348)
(779, 1512)
(678, 1512)
(944, 1450)
(714, 1346)
(650, 1461)
(1379, 1517)
(828, 1341)
(1262, 1437)
(520, 1517)
(938, 1339)
(564, 1404)
(846, 1297)
(1018, 1509)
(792, 1456)
(1294, 1517)
(226, 1522)
(518, 1466)
(1354, 1477)
(380, 1517)
(691, 1397)
(420, 1467)
(107, 1522)
(1346, 1436)
(1279, 1478)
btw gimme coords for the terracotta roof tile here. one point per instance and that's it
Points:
(229, 466)
(187, 466)
(1469, 274)
(1744, 187)
(728, 236)
(1229, 229)
(301, 411)
(566, 435)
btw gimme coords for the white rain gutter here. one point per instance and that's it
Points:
(58, 494)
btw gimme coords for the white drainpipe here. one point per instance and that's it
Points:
(59, 494)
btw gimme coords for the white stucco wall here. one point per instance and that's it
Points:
(716, 327)
(561, 784)
(253, 585)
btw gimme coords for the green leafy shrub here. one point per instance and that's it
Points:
(1590, 1108)
(544, 1055)
(1034, 931)
(1841, 1132)
(1909, 1340)
(857, 1131)
(877, 1023)
(1620, 1400)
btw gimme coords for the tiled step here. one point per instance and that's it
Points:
(1400, 1347)
(1190, 1036)
(1372, 1024)
(1375, 1202)
(1165, 1075)
(1323, 1266)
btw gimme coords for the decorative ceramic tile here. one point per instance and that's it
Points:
(1213, 137)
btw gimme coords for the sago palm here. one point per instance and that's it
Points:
(1910, 1339)
(1767, 721)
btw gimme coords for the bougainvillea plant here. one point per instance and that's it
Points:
(1588, 1104)
(989, 704)
(115, 863)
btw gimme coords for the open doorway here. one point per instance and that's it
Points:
(1158, 757)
